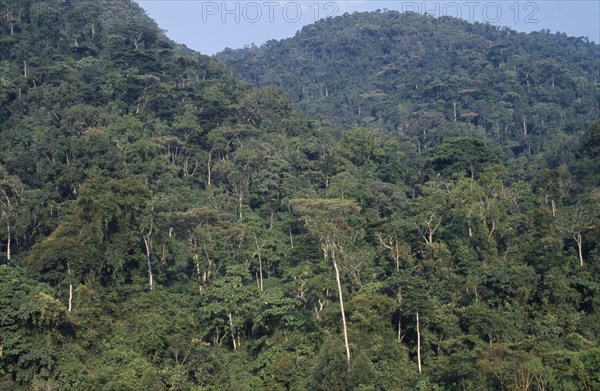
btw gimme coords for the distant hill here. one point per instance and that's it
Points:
(433, 78)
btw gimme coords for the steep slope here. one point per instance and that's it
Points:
(433, 78)
(74, 70)
(165, 226)
(116, 146)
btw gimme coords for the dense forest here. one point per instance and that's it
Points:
(387, 202)
(426, 79)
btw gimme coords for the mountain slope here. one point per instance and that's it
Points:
(433, 78)
(166, 226)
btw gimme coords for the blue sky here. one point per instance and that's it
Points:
(211, 26)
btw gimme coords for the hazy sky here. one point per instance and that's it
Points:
(211, 26)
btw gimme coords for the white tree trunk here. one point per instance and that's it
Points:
(339, 286)
(70, 306)
(230, 316)
(198, 273)
(8, 241)
(454, 106)
(578, 238)
(418, 344)
(148, 244)
(209, 168)
(400, 336)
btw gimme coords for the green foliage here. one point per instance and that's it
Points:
(589, 151)
(165, 226)
(461, 156)
(100, 240)
(428, 79)
(330, 369)
(33, 326)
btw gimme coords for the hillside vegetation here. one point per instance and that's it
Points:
(167, 226)
(429, 79)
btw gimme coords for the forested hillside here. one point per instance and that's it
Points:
(429, 79)
(166, 226)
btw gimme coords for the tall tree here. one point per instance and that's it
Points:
(12, 192)
(327, 220)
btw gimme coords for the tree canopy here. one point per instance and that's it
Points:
(403, 202)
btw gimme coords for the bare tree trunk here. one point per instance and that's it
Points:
(318, 310)
(230, 316)
(209, 168)
(454, 105)
(393, 247)
(400, 336)
(578, 238)
(198, 273)
(70, 306)
(260, 272)
(492, 230)
(339, 286)
(148, 244)
(8, 240)
(163, 257)
(397, 255)
(427, 233)
(418, 344)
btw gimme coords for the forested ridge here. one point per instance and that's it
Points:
(401, 202)
(429, 79)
